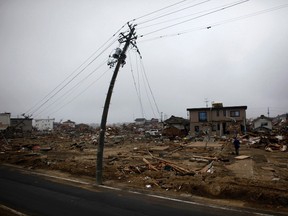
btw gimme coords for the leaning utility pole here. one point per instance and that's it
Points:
(120, 58)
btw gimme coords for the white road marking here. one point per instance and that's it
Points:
(12, 210)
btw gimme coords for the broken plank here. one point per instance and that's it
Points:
(203, 157)
(206, 168)
(150, 165)
(242, 157)
(174, 166)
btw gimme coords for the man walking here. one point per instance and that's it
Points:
(236, 143)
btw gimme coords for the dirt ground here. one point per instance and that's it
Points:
(173, 167)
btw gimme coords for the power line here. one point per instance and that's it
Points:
(68, 76)
(91, 84)
(142, 78)
(250, 15)
(59, 90)
(156, 11)
(135, 86)
(147, 94)
(53, 90)
(197, 17)
(71, 90)
(209, 26)
(150, 89)
(167, 14)
(177, 18)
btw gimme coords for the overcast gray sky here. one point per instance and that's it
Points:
(240, 60)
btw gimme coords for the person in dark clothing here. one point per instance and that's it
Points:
(236, 143)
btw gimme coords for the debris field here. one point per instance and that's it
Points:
(137, 162)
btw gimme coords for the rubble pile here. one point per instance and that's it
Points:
(179, 166)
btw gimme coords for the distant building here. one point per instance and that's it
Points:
(4, 120)
(176, 126)
(217, 120)
(44, 124)
(83, 127)
(22, 124)
(281, 118)
(262, 123)
(140, 121)
(69, 123)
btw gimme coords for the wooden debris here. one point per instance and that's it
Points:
(175, 167)
(242, 157)
(199, 160)
(159, 148)
(268, 149)
(268, 169)
(175, 150)
(150, 165)
(283, 148)
(206, 168)
(205, 158)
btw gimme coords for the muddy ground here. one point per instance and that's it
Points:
(172, 167)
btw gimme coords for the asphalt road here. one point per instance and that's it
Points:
(35, 195)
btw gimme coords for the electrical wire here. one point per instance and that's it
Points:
(148, 84)
(81, 92)
(142, 78)
(197, 17)
(69, 76)
(33, 109)
(135, 86)
(156, 11)
(178, 18)
(147, 93)
(59, 90)
(249, 15)
(218, 23)
(71, 90)
(173, 12)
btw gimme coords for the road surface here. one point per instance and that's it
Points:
(33, 194)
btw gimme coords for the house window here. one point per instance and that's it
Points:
(214, 127)
(234, 113)
(224, 112)
(202, 116)
(263, 124)
(217, 113)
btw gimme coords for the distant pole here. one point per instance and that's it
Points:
(100, 149)
(206, 102)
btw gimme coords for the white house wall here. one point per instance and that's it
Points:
(5, 118)
(44, 124)
(263, 123)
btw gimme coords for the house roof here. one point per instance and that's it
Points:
(68, 121)
(52, 119)
(176, 120)
(139, 119)
(263, 117)
(21, 119)
(217, 108)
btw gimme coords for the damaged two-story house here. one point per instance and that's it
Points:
(217, 120)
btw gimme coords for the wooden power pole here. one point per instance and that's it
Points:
(127, 39)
